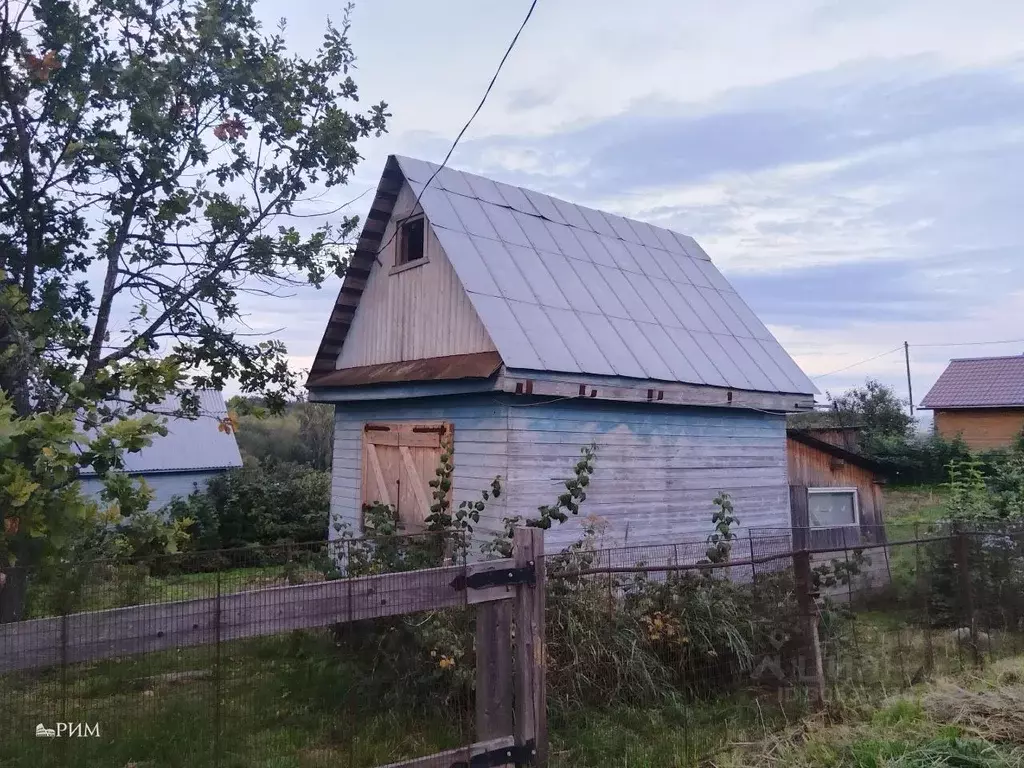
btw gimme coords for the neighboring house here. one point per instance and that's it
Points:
(524, 327)
(845, 502)
(981, 399)
(192, 452)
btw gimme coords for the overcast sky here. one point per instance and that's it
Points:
(856, 169)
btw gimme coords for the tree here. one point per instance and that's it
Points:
(152, 153)
(875, 408)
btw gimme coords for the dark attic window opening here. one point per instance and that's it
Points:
(411, 237)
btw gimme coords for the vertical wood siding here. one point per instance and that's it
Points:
(417, 313)
(480, 427)
(817, 469)
(658, 468)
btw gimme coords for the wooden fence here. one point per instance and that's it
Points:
(511, 714)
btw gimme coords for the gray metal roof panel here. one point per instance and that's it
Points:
(697, 357)
(618, 281)
(756, 328)
(505, 224)
(682, 369)
(729, 368)
(545, 206)
(619, 295)
(597, 221)
(692, 296)
(536, 232)
(615, 350)
(572, 287)
(642, 349)
(598, 288)
(504, 270)
(546, 341)
(508, 335)
(694, 274)
(467, 261)
(190, 445)
(471, 214)
(593, 245)
(586, 351)
(685, 315)
(543, 285)
(724, 312)
(516, 199)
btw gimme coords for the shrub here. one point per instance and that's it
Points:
(258, 505)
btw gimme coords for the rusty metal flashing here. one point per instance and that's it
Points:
(477, 365)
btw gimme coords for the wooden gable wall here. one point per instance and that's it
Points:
(415, 312)
(817, 469)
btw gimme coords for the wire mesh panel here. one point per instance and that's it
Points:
(664, 655)
(354, 653)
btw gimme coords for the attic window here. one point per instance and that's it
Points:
(411, 237)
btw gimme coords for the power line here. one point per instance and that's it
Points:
(472, 117)
(972, 343)
(859, 362)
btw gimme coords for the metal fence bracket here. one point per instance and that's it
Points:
(521, 754)
(495, 578)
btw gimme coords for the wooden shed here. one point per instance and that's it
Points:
(524, 327)
(845, 504)
(980, 399)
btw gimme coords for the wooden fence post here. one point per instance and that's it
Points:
(494, 670)
(531, 722)
(961, 552)
(800, 517)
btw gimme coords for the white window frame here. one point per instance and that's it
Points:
(856, 505)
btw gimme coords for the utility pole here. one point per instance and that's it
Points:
(910, 388)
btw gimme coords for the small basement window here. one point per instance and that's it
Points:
(411, 237)
(832, 507)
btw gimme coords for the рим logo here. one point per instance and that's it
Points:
(71, 730)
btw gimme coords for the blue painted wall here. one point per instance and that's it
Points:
(657, 470)
(165, 485)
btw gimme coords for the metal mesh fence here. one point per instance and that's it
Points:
(255, 657)
(672, 658)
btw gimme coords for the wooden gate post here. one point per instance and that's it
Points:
(531, 715)
(800, 517)
(494, 692)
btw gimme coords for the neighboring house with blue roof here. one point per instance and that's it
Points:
(191, 453)
(523, 327)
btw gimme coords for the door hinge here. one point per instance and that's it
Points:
(495, 578)
(523, 754)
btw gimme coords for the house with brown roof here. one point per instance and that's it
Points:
(980, 399)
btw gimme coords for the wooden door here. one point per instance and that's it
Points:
(399, 460)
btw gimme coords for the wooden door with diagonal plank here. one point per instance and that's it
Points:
(399, 460)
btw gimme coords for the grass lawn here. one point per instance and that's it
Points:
(967, 721)
(915, 503)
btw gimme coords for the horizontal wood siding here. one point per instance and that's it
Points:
(657, 468)
(816, 469)
(416, 313)
(165, 485)
(981, 428)
(480, 427)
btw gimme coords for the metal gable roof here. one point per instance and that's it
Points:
(561, 287)
(189, 445)
(979, 382)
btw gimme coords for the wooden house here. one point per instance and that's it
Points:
(844, 495)
(981, 399)
(192, 453)
(524, 327)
